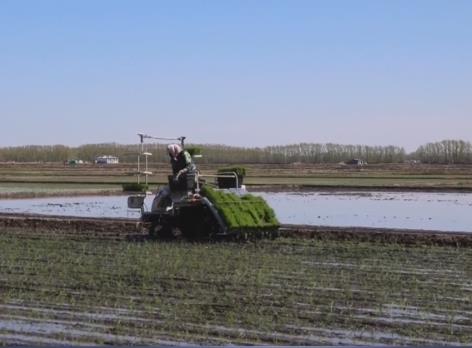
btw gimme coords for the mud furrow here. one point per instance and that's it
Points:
(24, 225)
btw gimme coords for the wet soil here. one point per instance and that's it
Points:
(30, 225)
(76, 228)
(285, 291)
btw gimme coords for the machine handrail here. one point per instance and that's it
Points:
(223, 175)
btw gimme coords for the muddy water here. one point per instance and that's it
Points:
(408, 210)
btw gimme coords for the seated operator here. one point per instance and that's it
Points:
(181, 162)
(182, 165)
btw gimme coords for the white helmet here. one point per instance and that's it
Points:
(174, 150)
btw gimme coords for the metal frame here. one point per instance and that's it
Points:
(143, 152)
(224, 175)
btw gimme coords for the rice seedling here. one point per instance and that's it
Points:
(246, 212)
(135, 187)
(285, 291)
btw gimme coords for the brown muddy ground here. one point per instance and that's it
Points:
(30, 225)
(271, 168)
(104, 173)
(32, 180)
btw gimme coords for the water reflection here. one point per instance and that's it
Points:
(409, 210)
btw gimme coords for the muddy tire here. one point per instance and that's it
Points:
(274, 234)
(161, 231)
(198, 224)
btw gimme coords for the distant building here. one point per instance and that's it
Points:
(107, 160)
(356, 162)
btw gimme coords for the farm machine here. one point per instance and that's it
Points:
(201, 206)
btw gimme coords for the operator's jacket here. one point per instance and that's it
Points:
(183, 162)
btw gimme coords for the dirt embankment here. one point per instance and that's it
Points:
(383, 235)
(37, 226)
(25, 225)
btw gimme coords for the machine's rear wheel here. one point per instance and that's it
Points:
(198, 223)
(162, 231)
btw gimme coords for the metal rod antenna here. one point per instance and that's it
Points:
(146, 136)
(140, 151)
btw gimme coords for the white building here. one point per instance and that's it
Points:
(357, 162)
(107, 160)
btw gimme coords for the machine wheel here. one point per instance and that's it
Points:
(197, 223)
(161, 231)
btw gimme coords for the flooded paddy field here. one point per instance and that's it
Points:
(398, 210)
(83, 206)
(287, 291)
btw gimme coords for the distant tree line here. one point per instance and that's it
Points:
(35, 153)
(447, 151)
(334, 153)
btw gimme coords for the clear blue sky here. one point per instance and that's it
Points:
(248, 73)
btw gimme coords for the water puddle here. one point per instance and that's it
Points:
(403, 210)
